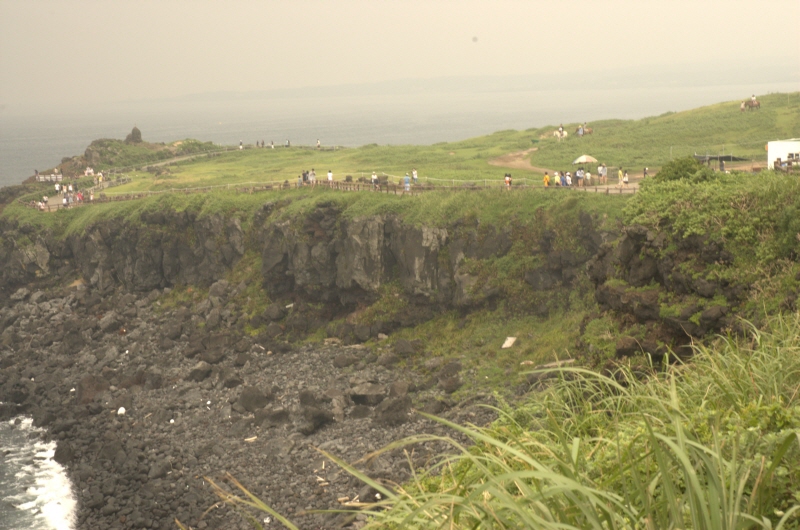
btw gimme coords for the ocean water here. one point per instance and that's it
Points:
(35, 492)
(38, 141)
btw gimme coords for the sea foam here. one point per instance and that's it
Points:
(37, 493)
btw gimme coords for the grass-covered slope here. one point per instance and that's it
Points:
(716, 129)
(710, 445)
(632, 144)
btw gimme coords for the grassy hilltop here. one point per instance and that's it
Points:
(652, 142)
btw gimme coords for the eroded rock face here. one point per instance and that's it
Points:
(321, 266)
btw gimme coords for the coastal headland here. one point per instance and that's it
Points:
(179, 336)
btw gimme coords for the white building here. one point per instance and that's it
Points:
(785, 150)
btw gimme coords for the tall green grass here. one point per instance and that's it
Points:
(714, 444)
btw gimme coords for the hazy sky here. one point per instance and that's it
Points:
(76, 52)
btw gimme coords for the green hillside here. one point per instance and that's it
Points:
(715, 129)
(651, 142)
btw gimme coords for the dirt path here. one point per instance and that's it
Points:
(518, 160)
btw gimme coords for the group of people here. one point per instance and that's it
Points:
(262, 144)
(69, 194)
(309, 178)
(582, 177)
(407, 180)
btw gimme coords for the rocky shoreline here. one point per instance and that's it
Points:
(201, 402)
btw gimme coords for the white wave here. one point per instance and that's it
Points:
(41, 486)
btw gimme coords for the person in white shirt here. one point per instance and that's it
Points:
(330, 178)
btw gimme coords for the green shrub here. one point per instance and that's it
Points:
(680, 168)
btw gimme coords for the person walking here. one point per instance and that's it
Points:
(546, 179)
(414, 175)
(625, 179)
(407, 183)
(374, 180)
(507, 180)
(330, 178)
(619, 177)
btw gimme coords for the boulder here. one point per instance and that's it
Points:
(449, 370)
(388, 359)
(213, 319)
(315, 417)
(705, 288)
(90, 387)
(307, 398)
(110, 322)
(241, 359)
(394, 411)
(272, 417)
(64, 453)
(404, 348)
(367, 394)
(199, 372)
(273, 330)
(38, 296)
(344, 360)
(360, 411)
(219, 288)
(213, 356)
(450, 384)
(253, 399)
(362, 332)
(274, 312)
(232, 380)
(711, 317)
(173, 330)
(398, 389)
(20, 294)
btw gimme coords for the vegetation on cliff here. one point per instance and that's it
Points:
(708, 445)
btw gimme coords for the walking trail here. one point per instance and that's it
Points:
(518, 160)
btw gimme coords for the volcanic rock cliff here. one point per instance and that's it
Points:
(208, 387)
(337, 264)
